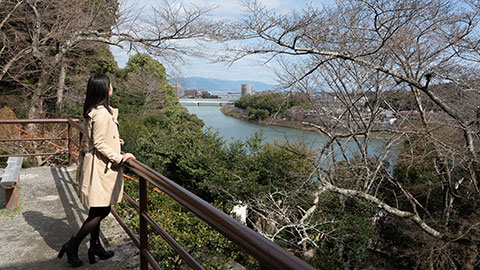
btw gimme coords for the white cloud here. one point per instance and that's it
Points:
(249, 68)
(244, 69)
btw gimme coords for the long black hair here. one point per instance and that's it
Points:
(97, 93)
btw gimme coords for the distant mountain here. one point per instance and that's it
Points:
(219, 85)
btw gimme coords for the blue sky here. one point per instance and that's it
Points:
(250, 68)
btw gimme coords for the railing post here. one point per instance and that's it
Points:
(81, 140)
(69, 144)
(143, 223)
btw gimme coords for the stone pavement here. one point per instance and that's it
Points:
(49, 213)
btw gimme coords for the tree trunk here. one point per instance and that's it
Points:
(36, 102)
(61, 86)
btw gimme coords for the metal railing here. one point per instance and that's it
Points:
(68, 138)
(268, 254)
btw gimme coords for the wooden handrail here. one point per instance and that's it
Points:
(179, 249)
(34, 154)
(74, 123)
(68, 144)
(34, 139)
(269, 255)
(36, 121)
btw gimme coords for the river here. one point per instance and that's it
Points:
(232, 129)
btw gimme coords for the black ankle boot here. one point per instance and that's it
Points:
(71, 248)
(97, 249)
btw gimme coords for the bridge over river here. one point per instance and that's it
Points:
(206, 101)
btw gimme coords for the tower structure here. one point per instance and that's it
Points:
(247, 89)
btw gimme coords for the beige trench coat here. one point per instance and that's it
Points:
(100, 177)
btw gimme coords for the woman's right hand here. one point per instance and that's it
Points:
(127, 157)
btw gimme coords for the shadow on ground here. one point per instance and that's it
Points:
(59, 222)
(42, 265)
(49, 214)
(2, 197)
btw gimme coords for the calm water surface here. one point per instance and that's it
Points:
(231, 129)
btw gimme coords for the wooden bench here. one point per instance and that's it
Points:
(10, 180)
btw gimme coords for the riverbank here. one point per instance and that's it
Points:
(231, 129)
(241, 114)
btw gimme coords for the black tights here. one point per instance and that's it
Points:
(92, 224)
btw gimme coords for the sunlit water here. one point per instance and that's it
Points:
(231, 129)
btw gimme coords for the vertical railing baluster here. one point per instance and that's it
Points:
(143, 223)
(80, 144)
(69, 144)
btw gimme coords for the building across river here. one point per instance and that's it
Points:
(247, 89)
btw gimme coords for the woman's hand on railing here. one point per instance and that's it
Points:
(127, 157)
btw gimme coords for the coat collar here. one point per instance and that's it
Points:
(101, 107)
(115, 114)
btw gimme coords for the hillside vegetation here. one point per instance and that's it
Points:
(406, 69)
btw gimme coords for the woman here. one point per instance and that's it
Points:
(99, 175)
